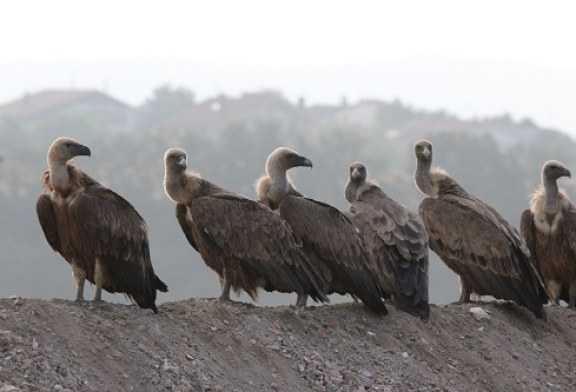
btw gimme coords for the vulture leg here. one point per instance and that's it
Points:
(225, 296)
(572, 303)
(555, 289)
(301, 300)
(464, 293)
(80, 278)
(98, 280)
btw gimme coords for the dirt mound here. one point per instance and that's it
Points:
(206, 345)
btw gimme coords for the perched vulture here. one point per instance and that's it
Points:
(486, 252)
(395, 239)
(329, 239)
(245, 243)
(97, 231)
(549, 228)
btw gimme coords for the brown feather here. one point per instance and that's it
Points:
(92, 222)
(552, 242)
(246, 244)
(488, 254)
(397, 243)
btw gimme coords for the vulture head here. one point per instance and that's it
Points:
(356, 178)
(64, 149)
(553, 170)
(175, 160)
(423, 150)
(357, 173)
(284, 158)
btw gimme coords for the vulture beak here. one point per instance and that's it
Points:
(568, 174)
(305, 162)
(426, 152)
(82, 150)
(182, 162)
(355, 174)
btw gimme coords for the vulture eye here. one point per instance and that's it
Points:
(67, 145)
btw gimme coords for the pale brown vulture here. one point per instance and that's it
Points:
(97, 231)
(474, 241)
(245, 243)
(549, 228)
(329, 239)
(395, 239)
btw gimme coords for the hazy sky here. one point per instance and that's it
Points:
(313, 33)
(310, 32)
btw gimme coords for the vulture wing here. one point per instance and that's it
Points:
(109, 228)
(257, 243)
(483, 249)
(333, 244)
(186, 224)
(397, 242)
(47, 218)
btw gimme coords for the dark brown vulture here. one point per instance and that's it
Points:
(245, 243)
(549, 228)
(395, 239)
(329, 239)
(98, 232)
(486, 252)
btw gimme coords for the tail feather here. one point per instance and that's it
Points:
(159, 285)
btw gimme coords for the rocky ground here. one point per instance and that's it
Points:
(207, 345)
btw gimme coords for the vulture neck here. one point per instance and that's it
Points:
(59, 176)
(551, 202)
(174, 184)
(279, 183)
(351, 191)
(423, 179)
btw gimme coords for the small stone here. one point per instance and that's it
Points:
(479, 313)
(366, 374)
(405, 355)
(274, 386)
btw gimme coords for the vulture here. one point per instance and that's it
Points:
(395, 239)
(549, 228)
(97, 231)
(486, 252)
(245, 243)
(329, 240)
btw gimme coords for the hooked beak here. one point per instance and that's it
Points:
(355, 174)
(182, 162)
(426, 152)
(82, 150)
(305, 162)
(568, 174)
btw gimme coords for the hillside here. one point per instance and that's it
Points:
(203, 345)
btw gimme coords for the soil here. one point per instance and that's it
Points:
(209, 345)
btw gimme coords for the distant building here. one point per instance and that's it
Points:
(47, 105)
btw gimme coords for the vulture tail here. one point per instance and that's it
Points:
(159, 285)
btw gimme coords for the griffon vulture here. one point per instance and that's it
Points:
(549, 228)
(395, 239)
(329, 239)
(97, 231)
(245, 243)
(486, 252)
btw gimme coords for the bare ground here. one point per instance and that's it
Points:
(207, 345)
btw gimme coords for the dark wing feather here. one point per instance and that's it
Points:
(47, 218)
(186, 224)
(483, 249)
(256, 245)
(527, 229)
(334, 246)
(112, 230)
(397, 242)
